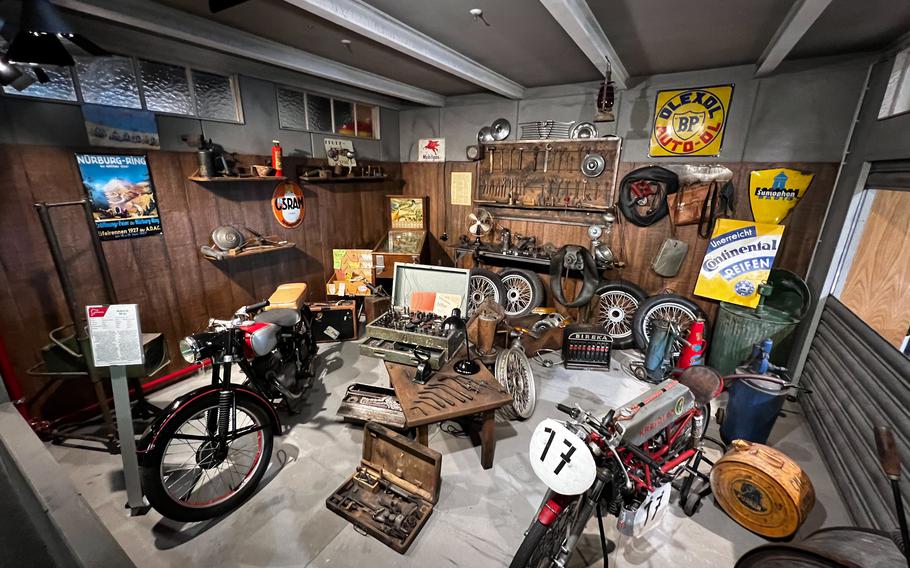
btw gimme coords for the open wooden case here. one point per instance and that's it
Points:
(392, 493)
(407, 240)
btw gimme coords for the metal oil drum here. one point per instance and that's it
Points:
(762, 489)
(737, 328)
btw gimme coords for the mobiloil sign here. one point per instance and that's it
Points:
(739, 257)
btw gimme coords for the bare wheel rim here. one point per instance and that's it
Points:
(615, 312)
(519, 293)
(513, 371)
(194, 476)
(482, 287)
(677, 314)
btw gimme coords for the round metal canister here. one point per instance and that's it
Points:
(762, 489)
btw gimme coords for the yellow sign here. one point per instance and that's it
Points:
(461, 188)
(774, 193)
(739, 257)
(690, 122)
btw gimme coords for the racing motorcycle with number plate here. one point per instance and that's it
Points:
(207, 451)
(622, 464)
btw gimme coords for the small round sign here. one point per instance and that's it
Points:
(287, 204)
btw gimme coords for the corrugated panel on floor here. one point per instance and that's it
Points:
(859, 381)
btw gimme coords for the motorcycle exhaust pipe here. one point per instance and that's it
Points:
(891, 464)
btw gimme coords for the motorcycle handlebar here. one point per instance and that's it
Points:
(573, 412)
(256, 307)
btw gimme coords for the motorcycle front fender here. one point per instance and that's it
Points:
(146, 443)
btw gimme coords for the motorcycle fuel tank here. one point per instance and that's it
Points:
(651, 412)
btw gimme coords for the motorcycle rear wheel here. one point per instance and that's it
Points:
(542, 542)
(185, 480)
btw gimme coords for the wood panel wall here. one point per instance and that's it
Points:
(877, 288)
(634, 245)
(176, 289)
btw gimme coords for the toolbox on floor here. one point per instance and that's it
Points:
(334, 321)
(371, 403)
(392, 493)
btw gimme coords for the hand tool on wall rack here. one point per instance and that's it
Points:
(520, 152)
(492, 151)
(546, 156)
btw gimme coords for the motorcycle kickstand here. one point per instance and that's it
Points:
(606, 546)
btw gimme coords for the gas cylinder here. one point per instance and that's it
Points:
(693, 352)
(276, 158)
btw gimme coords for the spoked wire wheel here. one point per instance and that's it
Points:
(513, 371)
(523, 291)
(484, 284)
(617, 303)
(678, 311)
(543, 544)
(192, 475)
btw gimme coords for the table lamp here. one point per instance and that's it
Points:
(466, 366)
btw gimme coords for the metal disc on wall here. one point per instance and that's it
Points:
(485, 135)
(593, 165)
(227, 237)
(501, 129)
(583, 130)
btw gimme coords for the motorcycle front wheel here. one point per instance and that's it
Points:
(192, 476)
(542, 543)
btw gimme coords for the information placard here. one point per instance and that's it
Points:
(115, 335)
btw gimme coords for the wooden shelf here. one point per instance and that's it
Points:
(341, 179)
(199, 179)
(251, 252)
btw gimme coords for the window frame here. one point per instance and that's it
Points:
(354, 104)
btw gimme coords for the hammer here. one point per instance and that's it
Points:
(891, 464)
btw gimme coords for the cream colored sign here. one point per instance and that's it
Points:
(461, 188)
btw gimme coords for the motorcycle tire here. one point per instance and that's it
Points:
(615, 304)
(681, 310)
(162, 498)
(524, 291)
(529, 553)
(484, 284)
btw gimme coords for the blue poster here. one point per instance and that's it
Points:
(120, 127)
(122, 195)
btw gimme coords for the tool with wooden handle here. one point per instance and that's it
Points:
(891, 465)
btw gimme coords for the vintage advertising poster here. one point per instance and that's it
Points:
(739, 257)
(122, 195)
(288, 205)
(690, 122)
(431, 150)
(340, 152)
(120, 127)
(461, 185)
(774, 193)
(407, 212)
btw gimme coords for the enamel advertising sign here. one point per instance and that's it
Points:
(739, 257)
(690, 122)
(774, 193)
(287, 204)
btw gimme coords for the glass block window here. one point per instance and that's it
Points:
(214, 96)
(364, 114)
(166, 88)
(319, 113)
(344, 117)
(291, 109)
(108, 81)
(59, 88)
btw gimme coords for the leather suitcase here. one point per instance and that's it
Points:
(393, 469)
(335, 321)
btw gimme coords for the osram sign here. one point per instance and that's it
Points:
(287, 204)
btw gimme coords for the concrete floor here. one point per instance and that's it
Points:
(481, 515)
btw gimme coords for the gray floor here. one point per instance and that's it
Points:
(478, 521)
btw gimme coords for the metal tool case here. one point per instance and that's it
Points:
(394, 335)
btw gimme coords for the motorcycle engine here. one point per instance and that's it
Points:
(277, 371)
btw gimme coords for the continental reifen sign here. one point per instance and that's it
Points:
(287, 204)
(690, 122)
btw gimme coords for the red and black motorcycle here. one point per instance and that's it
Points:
(208, 450)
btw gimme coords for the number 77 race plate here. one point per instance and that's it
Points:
(561, 459)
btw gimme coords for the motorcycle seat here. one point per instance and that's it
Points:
(291, 295)
(283, 317)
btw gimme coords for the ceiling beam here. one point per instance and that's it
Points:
(577, 19)
(196, 30)
(370, 22)
(797, 22)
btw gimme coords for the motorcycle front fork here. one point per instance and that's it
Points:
(589, 506)
(219, 421)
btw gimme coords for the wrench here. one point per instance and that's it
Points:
(492, 151)
(546, 156)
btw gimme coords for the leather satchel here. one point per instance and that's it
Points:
(686, 204)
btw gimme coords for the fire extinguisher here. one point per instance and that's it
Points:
(276, 158)
(693, 352)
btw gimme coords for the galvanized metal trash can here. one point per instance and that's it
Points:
(777, 316)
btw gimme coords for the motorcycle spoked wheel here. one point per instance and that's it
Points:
(484, 284)
(189, 480)
(523, 289)
(513, 371)
(542, 543)
(615, 304)
(679, 310)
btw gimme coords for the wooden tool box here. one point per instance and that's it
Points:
(392, 493)
(334, 321)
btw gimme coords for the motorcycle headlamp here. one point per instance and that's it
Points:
(190, 350)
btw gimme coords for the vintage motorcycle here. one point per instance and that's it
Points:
(623, 464)
(207, 451)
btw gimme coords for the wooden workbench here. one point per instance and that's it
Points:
(450, 396)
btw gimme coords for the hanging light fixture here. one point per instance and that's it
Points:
(41, 36)
(605, 97)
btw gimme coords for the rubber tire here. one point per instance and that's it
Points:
(529, 545)
(620, 286)
(638, 329)
(495, 278)
(157, 495)
(538, 295)
(631, 214)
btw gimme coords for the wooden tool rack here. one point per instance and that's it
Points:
(546, 175)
